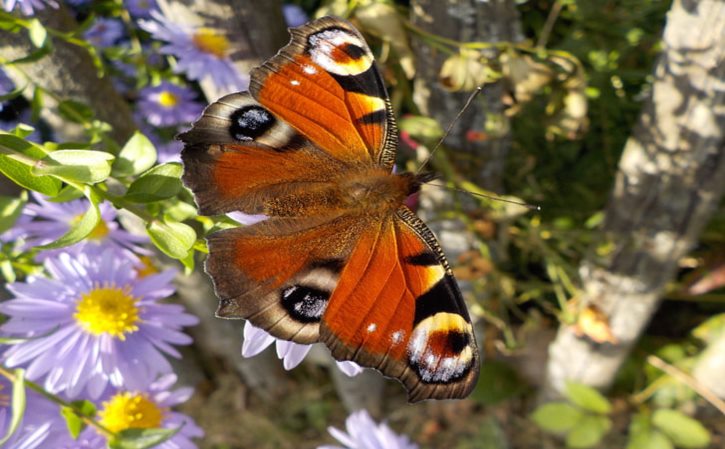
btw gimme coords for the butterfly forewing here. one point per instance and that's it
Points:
(325, 83)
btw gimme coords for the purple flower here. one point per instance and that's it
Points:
(28, 7)
(201, 52)
(41, 422)
(51, 220)
(294, 15)
(104, 32)
(95, 321)
(147, 408)
(256, 340)
(140, 9)
(168, 105)
(363, 433)
(6, 84)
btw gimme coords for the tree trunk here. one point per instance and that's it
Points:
(67, 73)
(465, 21)
(671, 177)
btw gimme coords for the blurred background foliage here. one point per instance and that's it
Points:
(573, 92)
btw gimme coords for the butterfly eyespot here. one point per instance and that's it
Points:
(305, 304)
(339, 52)
(441, 348)
(250, 122)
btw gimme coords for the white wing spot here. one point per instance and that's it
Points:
(294, 82)
(309, 69)
(397, 337)
(371, 328)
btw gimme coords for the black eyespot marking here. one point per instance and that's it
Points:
(250, 122)
(425, 259)
(457, 342)
(353, 51)
(304, 304)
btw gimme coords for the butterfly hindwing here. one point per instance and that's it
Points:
(397, 308)
(325, 83)
(280, 273)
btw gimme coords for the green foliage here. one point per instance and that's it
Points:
(74, 415)
(141, 438)
(583, 422)
(17, 405)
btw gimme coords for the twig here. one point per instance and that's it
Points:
(549, 25)
(688, 380)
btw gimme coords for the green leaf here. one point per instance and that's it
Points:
(10, 209)
(76, 165)
(17, 404)
(37, 33)
(588, 431)
(141, 438)
(73, 422)
(587, 398)
(497, 382)
(173, 238)
(161, 182)
(681, 429)
(421, 127)
(15, 93)
(137, 156)
(81, 228)
(20, 172)
(556, 417)
(649, 440)
(75, 111)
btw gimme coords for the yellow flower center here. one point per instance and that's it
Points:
(209, 41)
(167, 99)
(130, 411)
(147, 267)
(108, 309)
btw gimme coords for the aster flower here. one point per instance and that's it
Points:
(148, 408)
(6, 84)
(201, 52)
(41, 422)
(52, 220)
(95, 322)
(257, 340)
(104, 32)
(363, 433)
(168, 105)
(28, 7)
(294, 15)
(140, 9)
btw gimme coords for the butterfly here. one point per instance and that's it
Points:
(339, 258)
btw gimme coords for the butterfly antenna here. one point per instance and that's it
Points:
(473, 95)
(491, 197)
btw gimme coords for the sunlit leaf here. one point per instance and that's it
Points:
(83, 166)
(17, 405)
(173, 238)
(137, 156)
(587, 398)
(556, 417)
(161, 182)
(588, 431)
(141, 438)
(684, 431)
(80, 228)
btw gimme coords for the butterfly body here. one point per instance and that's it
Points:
(339, 259)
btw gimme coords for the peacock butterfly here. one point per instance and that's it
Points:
(340, 259)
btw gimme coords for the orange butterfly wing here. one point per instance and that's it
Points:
(397, 308)
(325, 84)
(319, 139)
